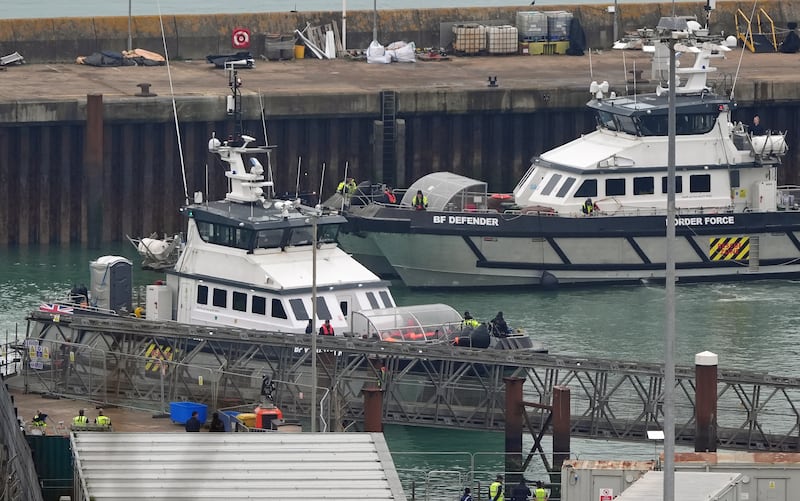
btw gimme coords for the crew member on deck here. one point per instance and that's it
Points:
(757, 129)
(499, 325)
(589, 207)
(469, 321)
(420, 201)
(326, 329)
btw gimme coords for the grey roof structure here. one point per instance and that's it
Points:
(256, 466)
(444, 188)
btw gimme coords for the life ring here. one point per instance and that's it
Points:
(241, 38)
(502, 196)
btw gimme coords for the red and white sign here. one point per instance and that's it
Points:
(241, 38)
(606, 494)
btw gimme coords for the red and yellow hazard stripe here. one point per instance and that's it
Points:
(156, 354)
(729, 248)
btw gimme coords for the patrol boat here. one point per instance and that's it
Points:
(594, 210)
(254, 261)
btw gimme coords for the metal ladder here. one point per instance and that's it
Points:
(755, 247)
(389, 120)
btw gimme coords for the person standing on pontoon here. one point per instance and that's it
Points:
(757, 129)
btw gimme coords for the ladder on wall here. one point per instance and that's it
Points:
(389, 121)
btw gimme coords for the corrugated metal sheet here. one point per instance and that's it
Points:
(688, 487)
(197, 466)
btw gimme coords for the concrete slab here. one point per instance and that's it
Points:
(63, 410)
(762, 76)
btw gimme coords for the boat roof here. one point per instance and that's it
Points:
(255, 216)
(422, 318)
(443, 188)
(659, 104)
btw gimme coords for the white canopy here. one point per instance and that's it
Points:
(448, 192)
(424, 323)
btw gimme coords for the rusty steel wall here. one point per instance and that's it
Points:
(45, 195)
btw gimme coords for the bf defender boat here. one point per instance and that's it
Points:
(594, 210)
(254, 261)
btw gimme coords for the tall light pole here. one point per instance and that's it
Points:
(130, 37)
(375, 20)
(670, 30)
(314, 325)
(344, 25)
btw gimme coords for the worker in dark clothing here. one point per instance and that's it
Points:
(193, 424)
(521, 491)
(467, 496)
(326, 329)
(310, 326)
(39, 422)
(757, 129)
(499, 325)
(216, 423)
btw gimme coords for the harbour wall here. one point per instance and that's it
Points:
(50, 190)
(196, 36)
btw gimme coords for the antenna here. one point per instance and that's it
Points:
(321, 180)
(591, 71)
(344, 183)
(297, 184)
(266, 142)
(174, 107)
(625, 72)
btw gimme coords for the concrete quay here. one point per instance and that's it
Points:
(57, 92)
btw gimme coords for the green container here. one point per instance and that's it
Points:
(52, 457)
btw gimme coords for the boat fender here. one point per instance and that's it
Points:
(548, 280)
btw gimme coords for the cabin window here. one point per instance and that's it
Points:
(269, 239)
(606, 120)
(653, 125)
(626, 124)
(301, 236)
(202, 294)
(615, 187)
(239, 301)
(259, 305)
(694, 124)
(387, 299)
(700, 183)
(562, 192)
(220, 298)
(345, 307)
(299, 309)
(228, 236)
(327, 233)
(551, 183)
(588, 188)
(277, 309)
(678, 184)
(643, 186)
(322, 308)
(373, 303)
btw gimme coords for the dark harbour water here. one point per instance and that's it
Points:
(751, 326)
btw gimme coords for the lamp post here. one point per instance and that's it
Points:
(344, 25)
(670, 30)
(314, 326)
(375, 20)
(130, 38)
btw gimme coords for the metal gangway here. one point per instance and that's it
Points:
(112, 360)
